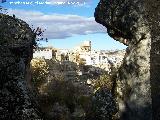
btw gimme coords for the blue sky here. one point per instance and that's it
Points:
(66, 25)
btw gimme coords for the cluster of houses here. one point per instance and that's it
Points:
(83, 54)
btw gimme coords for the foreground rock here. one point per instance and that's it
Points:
(16, 41)
(135, 23)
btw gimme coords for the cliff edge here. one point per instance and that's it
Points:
(135, 23)
(16, 42)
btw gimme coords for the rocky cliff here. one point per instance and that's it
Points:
(16, 41)
(135, 23)
(153, 14)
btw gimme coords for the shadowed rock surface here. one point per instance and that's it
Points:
(153, 14)
(135, 23)
(16, 42)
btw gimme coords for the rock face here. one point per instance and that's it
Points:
(153, 11)
(16, 41)
(132, 23)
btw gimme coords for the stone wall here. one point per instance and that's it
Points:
(135, 23)
(16, 41)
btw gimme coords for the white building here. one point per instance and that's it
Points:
(45, 53)
(101, 59)
(87, 57)
(85, 46)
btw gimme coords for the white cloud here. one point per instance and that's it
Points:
(59, 26)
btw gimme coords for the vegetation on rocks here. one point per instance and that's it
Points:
(39, 71)
(16, 41)
(103, 81)
(69, 99)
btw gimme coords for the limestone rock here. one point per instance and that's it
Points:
(127, 22)
(16, 41)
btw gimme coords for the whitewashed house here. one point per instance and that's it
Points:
(43, 53)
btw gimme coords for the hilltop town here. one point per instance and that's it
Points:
(83, 54)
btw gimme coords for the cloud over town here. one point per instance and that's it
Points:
(59, 26)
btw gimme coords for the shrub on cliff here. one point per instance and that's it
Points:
(103, 102)
(104, 105)
(39, 72)
(66, 93)
(103, 81)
